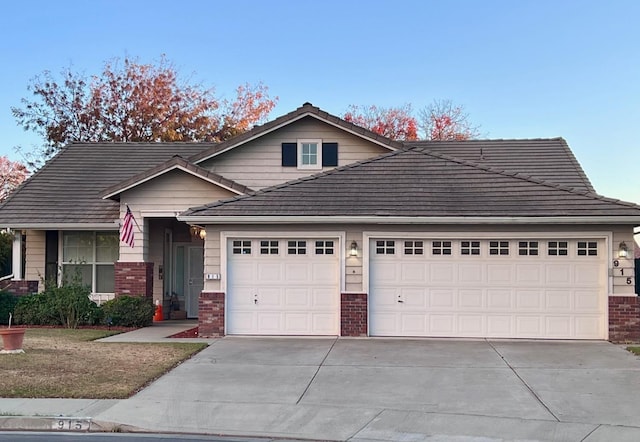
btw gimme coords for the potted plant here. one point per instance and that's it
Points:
(12, 338)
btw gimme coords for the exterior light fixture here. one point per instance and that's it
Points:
(197, 232)
(353, 250)
(623, 251)
(202, 234)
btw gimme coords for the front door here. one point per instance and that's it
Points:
(195, 279)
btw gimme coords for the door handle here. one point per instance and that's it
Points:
(400, 300)
(255, 299)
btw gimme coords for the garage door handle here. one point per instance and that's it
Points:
(255, 299)
(400, 301)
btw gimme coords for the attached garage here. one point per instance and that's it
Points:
(534, 287)
(283, 286)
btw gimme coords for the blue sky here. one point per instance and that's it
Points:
(521, 69)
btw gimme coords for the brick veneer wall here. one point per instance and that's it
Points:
(624, 318)
(353, 314)
(211, 314)
(134, 278)
(20, 288)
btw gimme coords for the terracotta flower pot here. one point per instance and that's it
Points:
(12, 339)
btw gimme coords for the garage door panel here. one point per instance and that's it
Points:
(499, 274)
(296, 272)
(499, 299)
(296, 298)
(441, 273)
(516, 295)
(441, 298)
(529, 273)
(529, 300)
(470, 298)
(558, 300)
(270, 322)
(471, 273)
(324, 272)
(267, 272)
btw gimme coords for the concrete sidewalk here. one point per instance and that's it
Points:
(381, 390)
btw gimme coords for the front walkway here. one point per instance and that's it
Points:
(159, 332)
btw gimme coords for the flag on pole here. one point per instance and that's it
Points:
(126, 235)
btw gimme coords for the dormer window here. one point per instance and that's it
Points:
(310, 154)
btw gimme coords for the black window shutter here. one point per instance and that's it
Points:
(289, 154)
(329, 154)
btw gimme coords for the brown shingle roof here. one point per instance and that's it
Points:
(68, 188)
(418, 182)
(546, 159)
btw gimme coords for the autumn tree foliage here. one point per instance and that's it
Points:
(132, 101)
(443, 120)
(12, 174)
(392, 122)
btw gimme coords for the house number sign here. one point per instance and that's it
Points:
(70, 424)
(623, 272)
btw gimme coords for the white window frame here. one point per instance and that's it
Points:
(318, 164)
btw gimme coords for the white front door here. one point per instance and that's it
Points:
(507, 288)
(283, 286)
(195, 281)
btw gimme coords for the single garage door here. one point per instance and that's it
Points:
(283, 286)
(507, 288)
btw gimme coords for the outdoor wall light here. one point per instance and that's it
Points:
(353, 251)
(198, 232)
(202, 234)
(623, 251)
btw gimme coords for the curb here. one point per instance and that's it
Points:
(63, 424)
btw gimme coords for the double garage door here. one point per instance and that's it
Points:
(533, 288)
(445, 287)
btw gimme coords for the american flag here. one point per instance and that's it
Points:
(127, 228)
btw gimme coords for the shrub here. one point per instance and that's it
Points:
(68, 305)
(7, 305)
(128, 311)
(35, 309)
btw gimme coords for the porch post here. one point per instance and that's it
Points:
(16, 258)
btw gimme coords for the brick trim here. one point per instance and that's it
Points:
(624, 318)
(134, 279)
(211, 314)
(353, 314)
(20, 288)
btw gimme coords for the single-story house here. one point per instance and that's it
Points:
(311, 225)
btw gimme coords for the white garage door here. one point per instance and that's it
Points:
(283, 286)
(509, 288)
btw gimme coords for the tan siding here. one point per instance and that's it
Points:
(258, 164)
(35, 259)
(171, 193)
(623, 234)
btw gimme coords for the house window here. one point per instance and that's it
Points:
(557, 248)
(268, 247)
(324, 247)
(241, 247)
(587, 248)
(528, 248)
(414, 248)
(297, 247)
(309, 154)
(441, 247)
(470, 248)
(89, 257)
(498, 248)
(385, 247)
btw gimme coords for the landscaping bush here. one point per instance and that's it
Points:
(128, 311)
(7, 305)
(68, 306)
(35, 309)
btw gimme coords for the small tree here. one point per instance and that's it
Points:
(442, 120)
(132, 101)
(392, 122)
(12, 174)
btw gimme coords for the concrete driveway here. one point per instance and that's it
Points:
(396, 390)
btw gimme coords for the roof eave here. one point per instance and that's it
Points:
(115, 225)
(342, 219)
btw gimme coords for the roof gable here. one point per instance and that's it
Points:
(175, 163)
(306, 110)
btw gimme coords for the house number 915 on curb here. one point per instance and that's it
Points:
(62, 424)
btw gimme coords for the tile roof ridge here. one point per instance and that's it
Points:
(524, 177)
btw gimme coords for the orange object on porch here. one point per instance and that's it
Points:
(158, 316)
